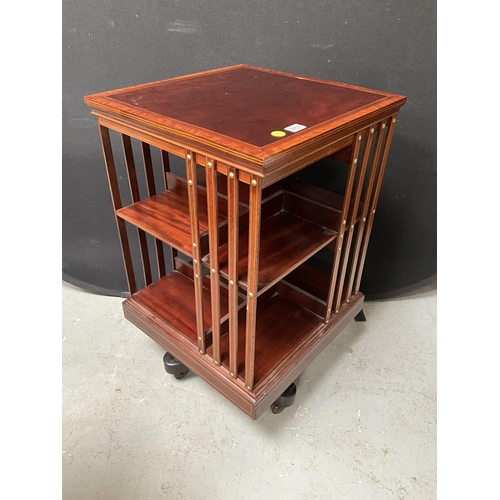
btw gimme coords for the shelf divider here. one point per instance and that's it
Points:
(286, 241)
(166, 217)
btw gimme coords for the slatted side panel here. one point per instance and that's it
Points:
(196, 254)
(364, 154)
(233, 228)
(386, 132)
(117, 204)
(333, 287)
(213, 241)
(376, 145)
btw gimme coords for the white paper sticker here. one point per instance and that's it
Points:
(295, 127)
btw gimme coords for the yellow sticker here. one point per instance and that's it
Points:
(278, 133)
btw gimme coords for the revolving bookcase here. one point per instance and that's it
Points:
(235, 295)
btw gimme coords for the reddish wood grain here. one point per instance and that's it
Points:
(280, 329)
(177, 290)
(252, 273)
(233, 267)
(285, 242)
(266, 337)
(213, 235)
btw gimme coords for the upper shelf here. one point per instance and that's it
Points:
(298, 220)
(166, 215)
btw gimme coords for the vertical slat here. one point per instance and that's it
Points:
(232, 201)
(150, 182)
(148, 168)
(134, 193)
(366, 206)
(253, 271)
(343, 222)
(373, 204)
(213, 241)
(195, 237)
(117, 204)
(165, 163)
(352, 218)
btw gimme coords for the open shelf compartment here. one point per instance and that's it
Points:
(166, 215)
(282, 326)
(286, 241)
(171, 300)
(298, 220)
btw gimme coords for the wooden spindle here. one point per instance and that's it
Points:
(233, 227)
(196, 254)
(253, 271)
(165, 165)
(117, 204)
(213, 241)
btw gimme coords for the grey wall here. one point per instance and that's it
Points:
(386, 45)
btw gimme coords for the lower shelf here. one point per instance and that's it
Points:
(282, 326)
(171, 300)
(288, 338)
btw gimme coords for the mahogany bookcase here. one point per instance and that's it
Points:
(243, 307)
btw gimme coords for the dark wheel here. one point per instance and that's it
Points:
(174, 367)
(286, 399)
(360, 316)
(276, 408)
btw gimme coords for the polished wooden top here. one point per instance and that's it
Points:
(235, 110)
(248, 104)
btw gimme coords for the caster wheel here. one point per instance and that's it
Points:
(277, 408)
(285, 400)
(174, 367)
(360, 316)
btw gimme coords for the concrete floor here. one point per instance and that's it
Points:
(363, 425)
